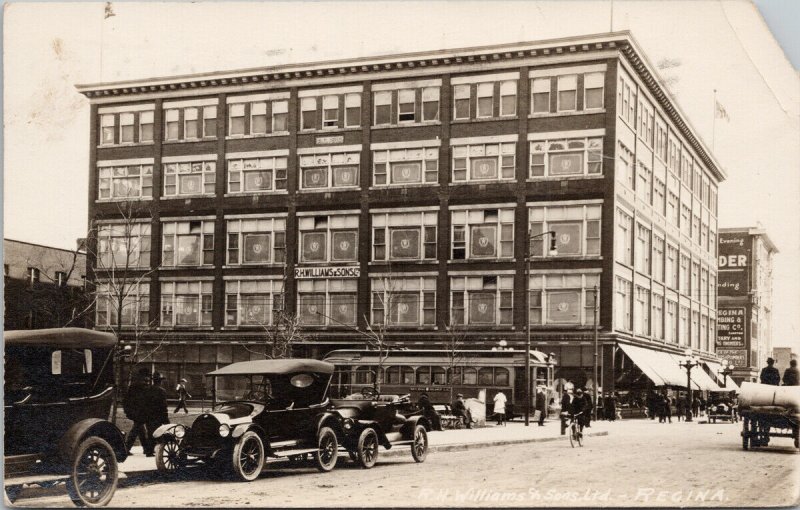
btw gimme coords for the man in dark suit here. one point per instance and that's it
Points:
(566, 406)
(135, 410)
(791, 375)
(541, 404)
(156, 406)
(770, 374)
(588, 403)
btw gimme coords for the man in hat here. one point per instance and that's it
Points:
(156, 405)
(460, 410)
(135, 408)
(791, 375)
(182, 396)
(428, 411)
(770, 374)
(578, 407)
(541, 404)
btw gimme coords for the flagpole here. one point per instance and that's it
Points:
(714, 122)
(611, 24)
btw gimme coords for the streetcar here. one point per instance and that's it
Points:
(416, 371)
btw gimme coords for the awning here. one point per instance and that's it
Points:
(640, 358)
(703, 380)
(725, 383)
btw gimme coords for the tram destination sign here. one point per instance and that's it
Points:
(326, 272)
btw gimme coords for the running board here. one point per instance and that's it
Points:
(297, 451)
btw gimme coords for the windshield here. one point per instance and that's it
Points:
(249, 388)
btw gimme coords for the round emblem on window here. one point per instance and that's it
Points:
(257, 248)
(483, 168)
(254, 311)
(563, 306)
(402, 308)
(344, 245)
(347, 176)
(187, 308)
(312, 308)
(405, 172)
(259, 180)
(483, 242)
(190, 185)
(405, 243)
(315, 178)
(314, 246)
(483, 307)
(343, 308)
(564, 238)
(566, 164)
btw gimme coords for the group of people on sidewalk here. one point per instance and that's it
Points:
(660, 406)
(771, 375)
(146, 406)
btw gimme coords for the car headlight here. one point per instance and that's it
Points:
(179, 431)
(347, 424)
(224, 430)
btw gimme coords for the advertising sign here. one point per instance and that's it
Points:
(736, 356)
(731, 328)
(734, 264)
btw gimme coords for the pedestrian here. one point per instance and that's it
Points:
(610, 404)
(790, 375)
(460, 410)
(182, 396)
(770, 374)
(541, 404)
(695, 407)
(588, 405)
(668, 408)
(680, 407)
(662, 415)
(566, 405)
(135, 410)
(156, 406)
(500, 407)
(429, 411)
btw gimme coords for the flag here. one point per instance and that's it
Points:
(109, 11)
(720, 112)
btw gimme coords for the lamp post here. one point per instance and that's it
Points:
(727, 369)
(596, 326)
(553, 251)
(689, 362)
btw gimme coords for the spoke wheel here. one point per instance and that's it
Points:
(169, 457)
(573, 436)
(327, 449)
(94, 475)
(419, 446)
(368, 448)
(248, 457)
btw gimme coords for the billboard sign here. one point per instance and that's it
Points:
(731, 327)
(734, 264)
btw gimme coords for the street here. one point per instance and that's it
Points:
(639, 463)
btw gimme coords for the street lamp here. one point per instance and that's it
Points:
(725, 371)
(689, 362)
(553, 252)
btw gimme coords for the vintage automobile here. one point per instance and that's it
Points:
(261, 409)
(722, 408)
(369, 420)
(59, 391)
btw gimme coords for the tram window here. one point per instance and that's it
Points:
(485, 376)
(363, 375)
(501, 377)
(455, 377)
(439, 375)
(393, 375)
(424, 375)
(470, 376)
(407, 374)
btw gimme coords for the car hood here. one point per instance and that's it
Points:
(233, 413)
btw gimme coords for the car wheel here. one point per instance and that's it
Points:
(327, 449)
(419, 445)
(368, 448)
(169, 457)
(94, 475)
(248, 457)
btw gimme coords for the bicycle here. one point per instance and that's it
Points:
(575, 430)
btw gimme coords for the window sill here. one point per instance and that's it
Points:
(328, 263)
(408, 124)
(193, 140)
(259, 135)
(392, 262)
(329, 190)
(403, 186)
(487, 181)
(256, 193)
(565, 177)
(327, 130)
(478, 261)
(245, 266)
(586, 327)
(180, 268)
(567, 114)
(185, 328)
(567, 257)
(246, 328)
(485, 119)
(188, 197)
(130, 144)
(112, 200)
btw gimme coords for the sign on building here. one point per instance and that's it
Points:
(734, 264)
(731, 334)
(326, 272)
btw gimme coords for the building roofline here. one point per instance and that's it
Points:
(753, 231)
(5, 239)
(621, 40)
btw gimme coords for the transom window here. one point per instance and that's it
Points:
(404, 236)
(257, 175)
(252, 302)
(409, 302)
(562, 299)
(483, 162)
(190, 178)
(482, 300)
(575, 156)
(123, 245)
(125, 181)
(331, 238)
(405, 166)
(257, 241)
(577, 229)
(187, 243)
(186, 303)
(332, 170)
(328, 302)
(483, 234)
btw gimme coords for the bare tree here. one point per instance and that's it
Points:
(456, 335)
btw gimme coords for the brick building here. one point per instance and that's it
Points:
(332, 189)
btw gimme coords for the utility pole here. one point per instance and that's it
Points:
(596, 331)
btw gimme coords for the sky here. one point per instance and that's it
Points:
(723, 45)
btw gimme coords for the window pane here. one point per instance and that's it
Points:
(564, 307)
(566, 163)
(313, 246)
(406, 172)
(481, 308)
(405, 243)
(483, 240)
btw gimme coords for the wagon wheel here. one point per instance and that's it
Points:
(169, 458)
(367, 453)
(94, 475)
(419, 444)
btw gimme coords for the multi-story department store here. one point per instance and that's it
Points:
(317, 187)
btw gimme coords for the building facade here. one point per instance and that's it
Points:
(744, 337)
(44, 287)
(783, 355)
(414, 192)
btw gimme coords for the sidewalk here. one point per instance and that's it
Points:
(445, 441)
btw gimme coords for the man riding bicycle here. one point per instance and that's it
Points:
(576, 409)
